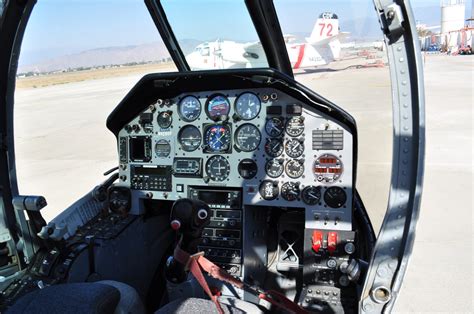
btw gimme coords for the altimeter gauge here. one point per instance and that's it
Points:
(247, 106)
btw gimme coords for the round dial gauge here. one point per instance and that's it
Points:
(328, 168)
(217, 138)
(217, 168)
(294, 168)
(268, 190)
(335, 197)
(274, 127)
(274, 147)
(189, 108)
(247, 137)
(162, 148)
(164, 119)
(295, 126)
(274, 167)
(247, 168)
(311, 195)
(294, 148)
(190, 138)
(290, 191)
(217, 106)
(247, 106)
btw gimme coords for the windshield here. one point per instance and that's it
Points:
(216, 39)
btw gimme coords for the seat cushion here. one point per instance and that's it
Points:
(130, 301)
(69, 298)
(196, 305)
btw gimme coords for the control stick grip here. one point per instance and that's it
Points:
(188, 218)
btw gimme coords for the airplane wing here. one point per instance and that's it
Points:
(253, 46)
(327, 40)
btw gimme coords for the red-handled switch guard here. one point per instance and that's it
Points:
(317, 240)
(332, 241)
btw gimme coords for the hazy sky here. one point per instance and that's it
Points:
(59, 27)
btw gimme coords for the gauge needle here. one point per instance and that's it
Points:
(295, 147)
(219, 139)
(293, 192)
(312, 195)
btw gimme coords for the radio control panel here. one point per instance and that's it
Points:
(222, 239)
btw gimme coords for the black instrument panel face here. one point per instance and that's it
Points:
(279, 151)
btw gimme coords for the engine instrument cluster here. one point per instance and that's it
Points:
(279, 151)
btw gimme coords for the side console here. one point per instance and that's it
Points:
(326, 271)
(222, 239)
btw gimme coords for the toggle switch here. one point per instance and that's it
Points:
(317, 240)
(332, 241)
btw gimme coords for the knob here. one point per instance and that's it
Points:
(175, 224)
(202, 214)
(349, 248)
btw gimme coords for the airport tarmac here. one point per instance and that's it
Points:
(63, 148)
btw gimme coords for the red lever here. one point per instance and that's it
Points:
(317, 240)
(332, 241)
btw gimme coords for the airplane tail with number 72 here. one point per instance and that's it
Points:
(322, 47)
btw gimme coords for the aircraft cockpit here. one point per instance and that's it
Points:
(235, 189)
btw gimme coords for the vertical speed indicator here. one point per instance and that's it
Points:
(247, 137)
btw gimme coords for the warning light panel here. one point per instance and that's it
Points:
(328, 168)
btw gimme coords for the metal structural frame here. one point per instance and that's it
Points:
(395, 241)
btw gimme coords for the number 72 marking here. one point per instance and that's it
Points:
(329, 28)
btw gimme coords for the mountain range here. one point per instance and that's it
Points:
(150, 52)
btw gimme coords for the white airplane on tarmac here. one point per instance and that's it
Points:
(322, 47)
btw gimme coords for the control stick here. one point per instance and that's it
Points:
(189, 218)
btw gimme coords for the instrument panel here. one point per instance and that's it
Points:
(279, 151)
